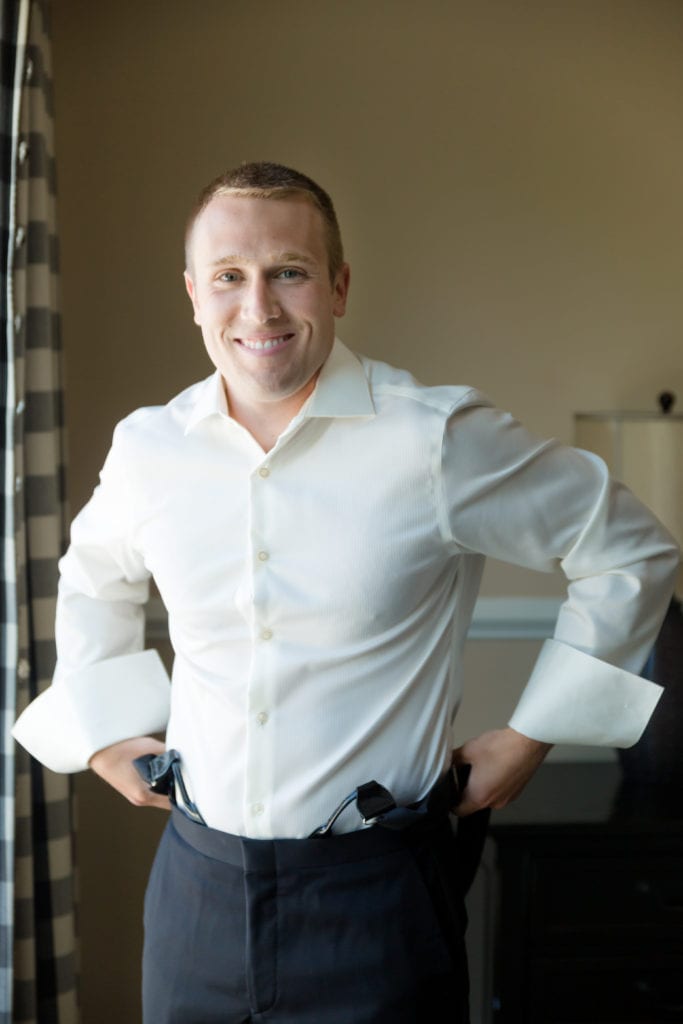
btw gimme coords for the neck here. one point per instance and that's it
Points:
(265, 421)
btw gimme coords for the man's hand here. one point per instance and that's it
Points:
(501, 763)
(115, 765)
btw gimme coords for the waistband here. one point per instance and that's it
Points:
(318, 851)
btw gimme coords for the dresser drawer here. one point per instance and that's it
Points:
(605, 991)
(627, 898)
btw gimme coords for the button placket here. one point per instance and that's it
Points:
(259, 753)
(259, 516)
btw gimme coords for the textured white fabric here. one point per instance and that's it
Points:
(319, 595)
(557, 714)
(83, 717)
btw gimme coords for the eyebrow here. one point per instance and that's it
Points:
(278, 258)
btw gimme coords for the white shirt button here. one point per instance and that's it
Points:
(24, 668)
(263, 556)
(266, 634)
(18, 321)
(22, 151)
(257, 809)
(262, 717)
(264, 472)
(19, 237)
(21, 405)
(18, 484)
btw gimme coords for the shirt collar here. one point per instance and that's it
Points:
(341, 390)
(210, 401)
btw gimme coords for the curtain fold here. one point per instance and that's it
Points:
(42, 952)
(13, 26)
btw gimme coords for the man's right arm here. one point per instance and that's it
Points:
(106, 688)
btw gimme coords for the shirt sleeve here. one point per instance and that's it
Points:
(106, 687)
(540, 504)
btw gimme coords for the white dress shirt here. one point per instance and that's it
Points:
(319, 595)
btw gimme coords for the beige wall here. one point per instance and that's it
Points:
(507, 175)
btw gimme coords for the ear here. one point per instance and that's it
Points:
(340, 290)
(191, 291)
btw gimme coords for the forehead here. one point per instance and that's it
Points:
(254, 228)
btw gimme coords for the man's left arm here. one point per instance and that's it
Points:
(540, 505)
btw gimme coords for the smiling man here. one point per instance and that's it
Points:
(265, 295)
(316, 523)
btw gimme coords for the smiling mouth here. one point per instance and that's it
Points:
(264, 344)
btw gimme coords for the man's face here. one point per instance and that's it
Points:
(260, 287)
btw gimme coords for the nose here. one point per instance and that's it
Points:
(259, 303)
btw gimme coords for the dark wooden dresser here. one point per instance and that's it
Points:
(589, 921)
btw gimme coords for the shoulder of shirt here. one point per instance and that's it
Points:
(384, 379)
(166, 420)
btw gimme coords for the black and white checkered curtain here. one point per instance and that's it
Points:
(37, 928)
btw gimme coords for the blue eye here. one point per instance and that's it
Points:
(290, 274)
(228, 276)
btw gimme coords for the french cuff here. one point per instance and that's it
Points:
(573, 697)
(101, 704)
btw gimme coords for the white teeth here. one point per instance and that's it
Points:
(270, 343)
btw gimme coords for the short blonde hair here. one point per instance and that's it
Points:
(263, 180)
